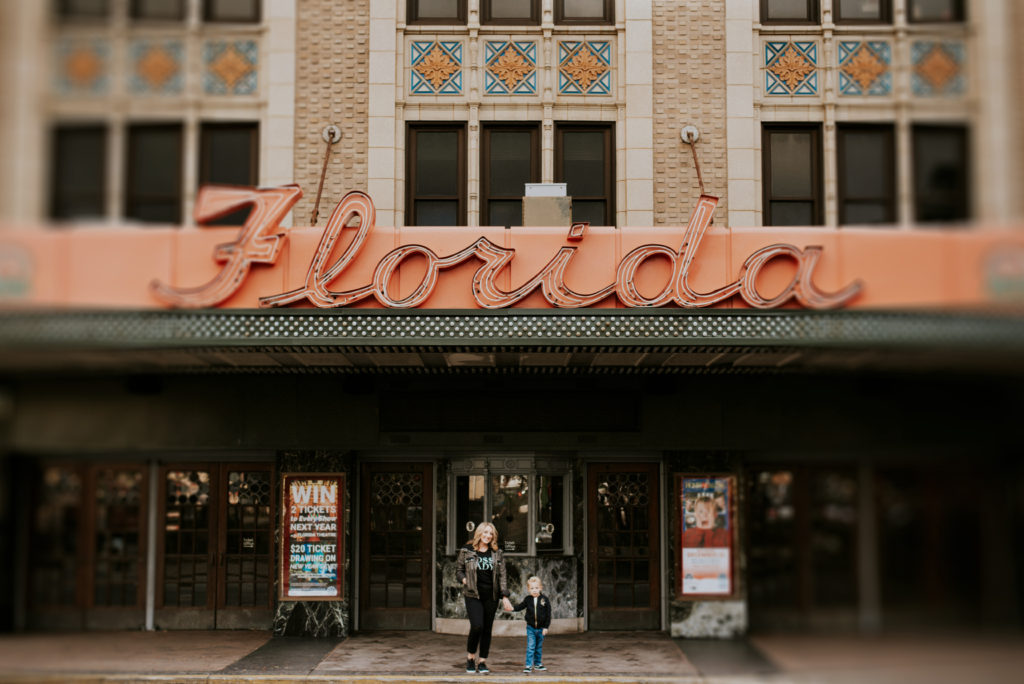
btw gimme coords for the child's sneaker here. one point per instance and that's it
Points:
(527, 669)
(539, 667)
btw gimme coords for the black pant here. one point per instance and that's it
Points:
(481, 619)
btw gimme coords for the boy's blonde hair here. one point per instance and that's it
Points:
(535, 579)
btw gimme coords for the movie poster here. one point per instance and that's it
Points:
(706, 529)
(313, 536)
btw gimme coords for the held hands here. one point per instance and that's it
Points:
(544, 632)
(506, 604)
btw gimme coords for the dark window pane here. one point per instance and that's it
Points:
(936, 10)
(792, 213)
(83, 9)
(865, 169)
(584, 163)
(778, 10)
(158, 9)
(940, 174)
(510, 162)
(859, 10)
(792, 164)
(866, 212)
(511, 9)
(550, 501)
(582, 9)
(437, 154)
(510, 512)
(437, 9)
(233, 10)
(228, 155)
(505, 213)
(154, 173)
(592, 211)
(437, 213)
(79, 173)
(469, 506)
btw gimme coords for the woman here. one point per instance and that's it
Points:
(482, 573)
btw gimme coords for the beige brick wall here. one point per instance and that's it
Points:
(331, 87)
(1018, 9)
(689, 87)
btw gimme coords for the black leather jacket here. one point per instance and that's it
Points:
(467, 571)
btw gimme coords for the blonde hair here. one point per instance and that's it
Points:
(535, 579)
(475, 541)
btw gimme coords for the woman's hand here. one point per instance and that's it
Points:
(544, 632)
(463, 581)
(506, 604)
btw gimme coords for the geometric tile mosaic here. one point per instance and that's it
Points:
(937, 68)
(584, 67)
(230, 67)
(436, 68)
(865, 68)
(510, 68)
(155, 66)
(82, 66)
(791, 68)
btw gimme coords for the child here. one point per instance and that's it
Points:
(538, 619)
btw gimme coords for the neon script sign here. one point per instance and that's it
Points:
(261, 239)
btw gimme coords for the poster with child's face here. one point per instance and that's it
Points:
(706, 536)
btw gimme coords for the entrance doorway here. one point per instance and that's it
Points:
(623, 560)
(395, 546)
(215, 553)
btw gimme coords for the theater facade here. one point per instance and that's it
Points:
(274, 339)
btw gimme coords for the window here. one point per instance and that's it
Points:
(83, 9)
(510, 158)
(527, 507)
(510, 11)
(78, 182)
(867, 175)
(153, 192)
(863, 11)
(940, 174)
(436, 11)
(789, 11)
(229, 154)
(935, 10)
(436, 176)
(242, 11)
(791, 158)
(585, 160)
(584, 12)
(170, 10)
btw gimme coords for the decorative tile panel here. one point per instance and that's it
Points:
(155, 66)
(82, 66)
(229, 67)
(791, 68)
(584, 67)
(436, 68)
(510, 68)
(865, 68)
(937, 68)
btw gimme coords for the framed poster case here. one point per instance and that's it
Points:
(312, 537)
(707, 533)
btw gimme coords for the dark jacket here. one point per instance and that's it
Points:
(467, 570)
(540, 620)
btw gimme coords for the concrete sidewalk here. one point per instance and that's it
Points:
(221, 656)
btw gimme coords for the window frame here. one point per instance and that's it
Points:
(607, 17)
(813, 14)
(411, 131)
(963, 133)
(884, 14)
(890, 164)
(129, 173)
(209, 17)
(56, 132)
(610, 162)
(486, 18)
(959, 11)
(134, 13)
(412, 15)
(534, 468)
(486, 197)
(817, 179)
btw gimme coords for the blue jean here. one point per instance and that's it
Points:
(534, 644)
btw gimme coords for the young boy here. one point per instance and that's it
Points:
(538, 619)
